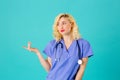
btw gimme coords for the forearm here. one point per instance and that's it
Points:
(43, 62)
(81, 69)
(80, 72)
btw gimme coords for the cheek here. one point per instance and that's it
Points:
(68, 27)
(58, 28)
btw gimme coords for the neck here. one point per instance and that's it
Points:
(68, 38)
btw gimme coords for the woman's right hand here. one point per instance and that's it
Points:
(29, 48)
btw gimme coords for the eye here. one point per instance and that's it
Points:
(64, 23)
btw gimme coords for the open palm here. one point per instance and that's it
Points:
(29, 48)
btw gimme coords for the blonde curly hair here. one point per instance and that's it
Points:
(75, 31)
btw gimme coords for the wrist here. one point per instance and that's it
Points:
(37, 53)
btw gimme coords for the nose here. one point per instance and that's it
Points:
(61, 27)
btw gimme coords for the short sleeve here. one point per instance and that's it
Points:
(48, 49)
(87, 50)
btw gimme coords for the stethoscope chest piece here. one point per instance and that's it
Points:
(79, 61)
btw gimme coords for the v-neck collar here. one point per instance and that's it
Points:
(67, 49)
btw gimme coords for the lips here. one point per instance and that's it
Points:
(62, 30)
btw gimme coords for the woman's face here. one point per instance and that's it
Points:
(64, 26)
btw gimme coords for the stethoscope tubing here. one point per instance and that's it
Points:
(61, 45)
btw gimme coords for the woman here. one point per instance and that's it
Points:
(67, 54)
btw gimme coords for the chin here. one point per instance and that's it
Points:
(64, 34)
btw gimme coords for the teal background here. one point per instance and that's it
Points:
(31, 20)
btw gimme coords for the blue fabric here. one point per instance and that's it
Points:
(66, 66)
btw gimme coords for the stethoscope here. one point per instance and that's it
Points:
(59, 46)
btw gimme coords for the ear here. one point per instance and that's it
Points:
(72, 23)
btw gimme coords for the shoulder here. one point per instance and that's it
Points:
(51, 42)
(83, 41)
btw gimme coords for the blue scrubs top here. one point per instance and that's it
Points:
(65, 61)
